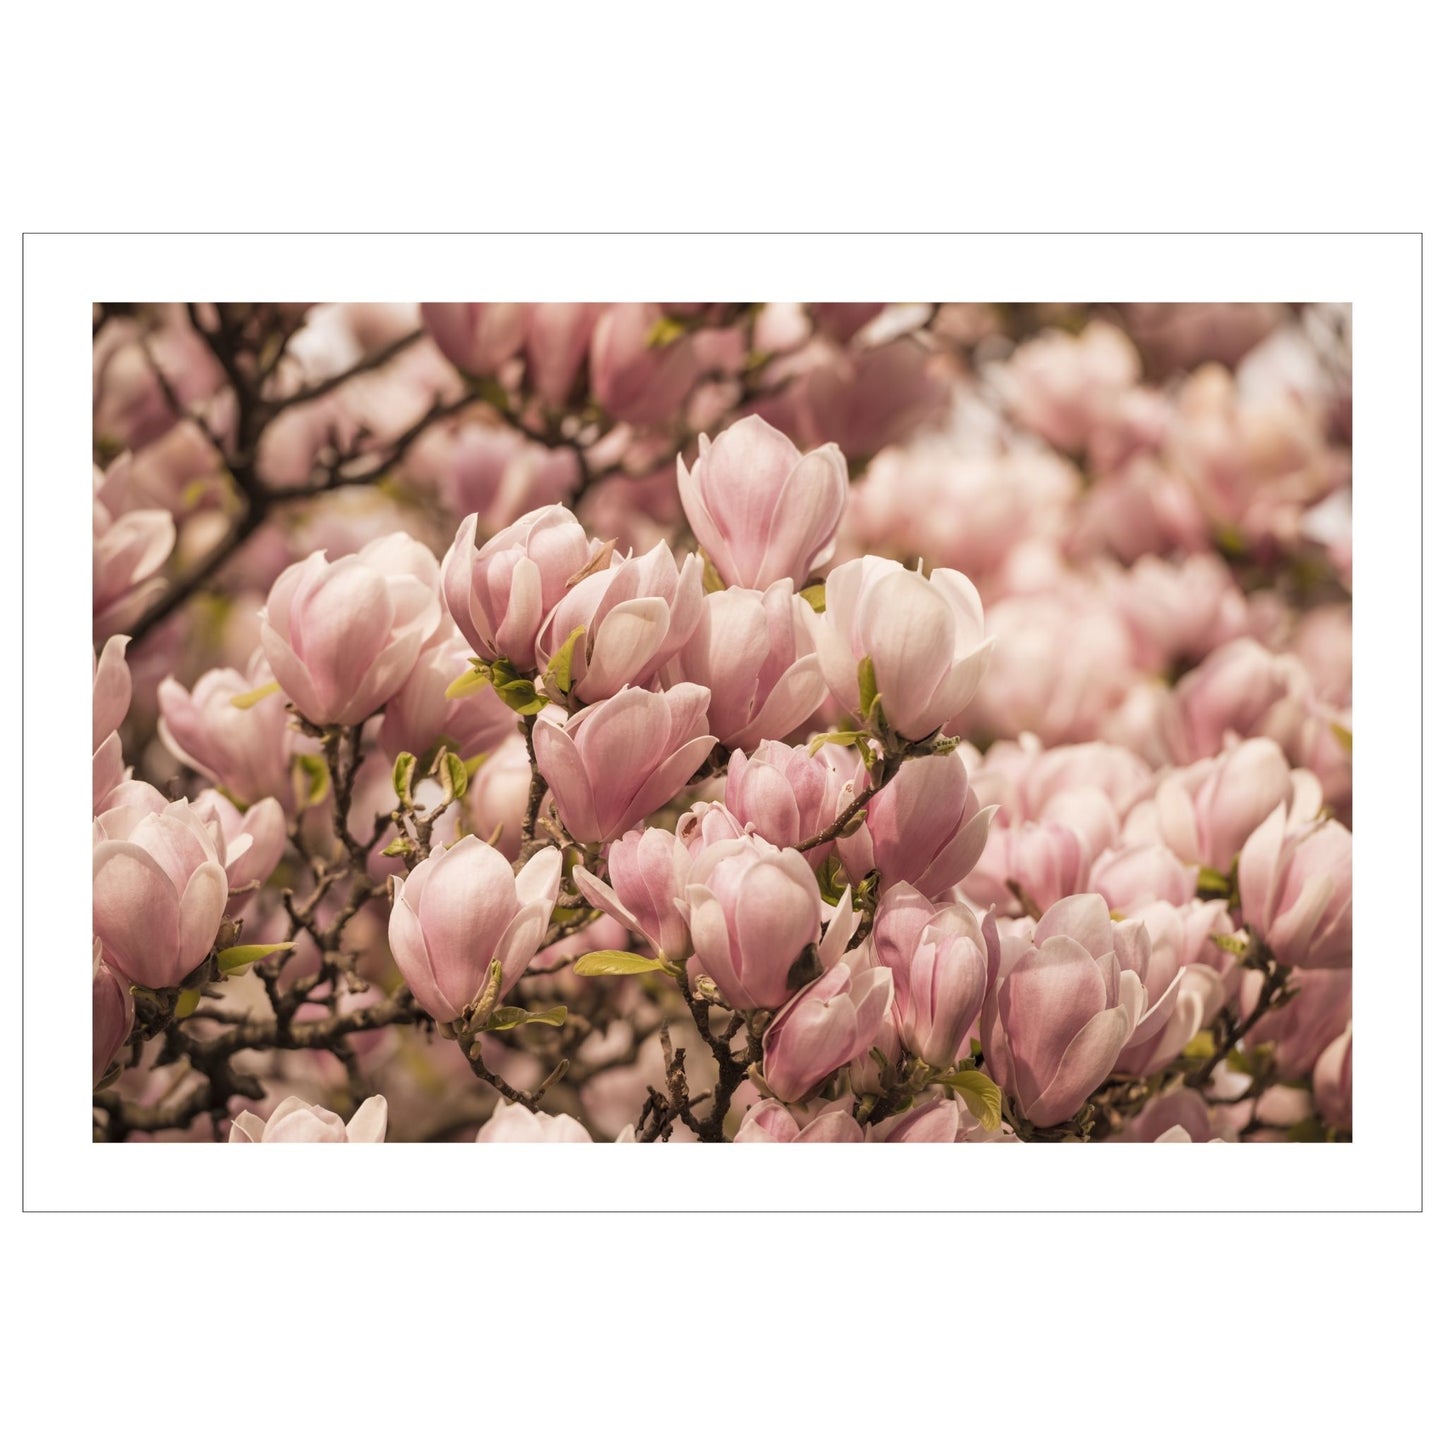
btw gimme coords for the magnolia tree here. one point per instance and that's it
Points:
(727, 722)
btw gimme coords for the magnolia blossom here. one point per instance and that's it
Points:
(342, 636)
(754, 652)
(1062, 1009)
(1296, 890)
(476, 337)
(632, 618)
(770, 1121)
(831, 1021)
(112, 1014)
(110, 701)
(789, 795)
(515, 1124)
(924, 637)
(159, 891)
(615, 762)
(244, 749)
(752, 911)
(499, 593)
(762, 510)
(126, 553)
(461, 910)
(647, 873)
(421, 715)
(294, 1121)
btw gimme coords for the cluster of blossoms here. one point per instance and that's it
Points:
(760, 724)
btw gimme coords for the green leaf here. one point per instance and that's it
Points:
(559, 665)
(983, 1097)
(397, 848)
(846, 737)
(243, 955)
(403, 770)
(867, 687)
(246, 700)
(1201, 1046)
(815, 596)
(1229, 943)
(456, 776)
(473, 680)
(187, 1001)
(503, 1019)
(521, 696)
(492, 392)
(610, 961)
(310, 779)
(664, 331)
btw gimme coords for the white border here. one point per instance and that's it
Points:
(1380, 275)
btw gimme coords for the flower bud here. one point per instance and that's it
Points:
(787, 796)
(112, 1014)
(1296, 889)
(477, 337)
(647, 875)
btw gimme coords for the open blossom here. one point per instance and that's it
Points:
(1142, 873)
(754, 652)
(753, 910)
(294, 1121)
(634, 616)
(461, 910)
(924, 636)
(1240, 690)
(516, 1124)
(342, 636)
(618, 760)
(246, 750)
(762, 510)
(941, 961)
(925, 827)
(500, 593)
(159, 890)
(255, 839)
(647, 873)
(831, 1021)
(1296, 889)
(1044, 861)
(1062, 1009)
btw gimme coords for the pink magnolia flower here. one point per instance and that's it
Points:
(787, 796)
(753, 910)
(126, 553)
(515, 1124)
(770, 1121)
(1062, 1009)
(941, 961)
(647, 872)
(938, 1121)
(500, 593)
(634, 615)
(831, 1021)
(637, 377)
(159, 891)
(255, 839)
(461, 910)
(477, 337)
(496, 798)
(618, 760)
(924, 636)
(294, 1121)
(558, 336)
(113, 1013)
(762, 510)
(1046, 861)
(1141, 873)
(110, 701)
(754, 652)
(342, 636)
(248, 750)
(1296, 889)
(925, 827)
(1240, 690)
